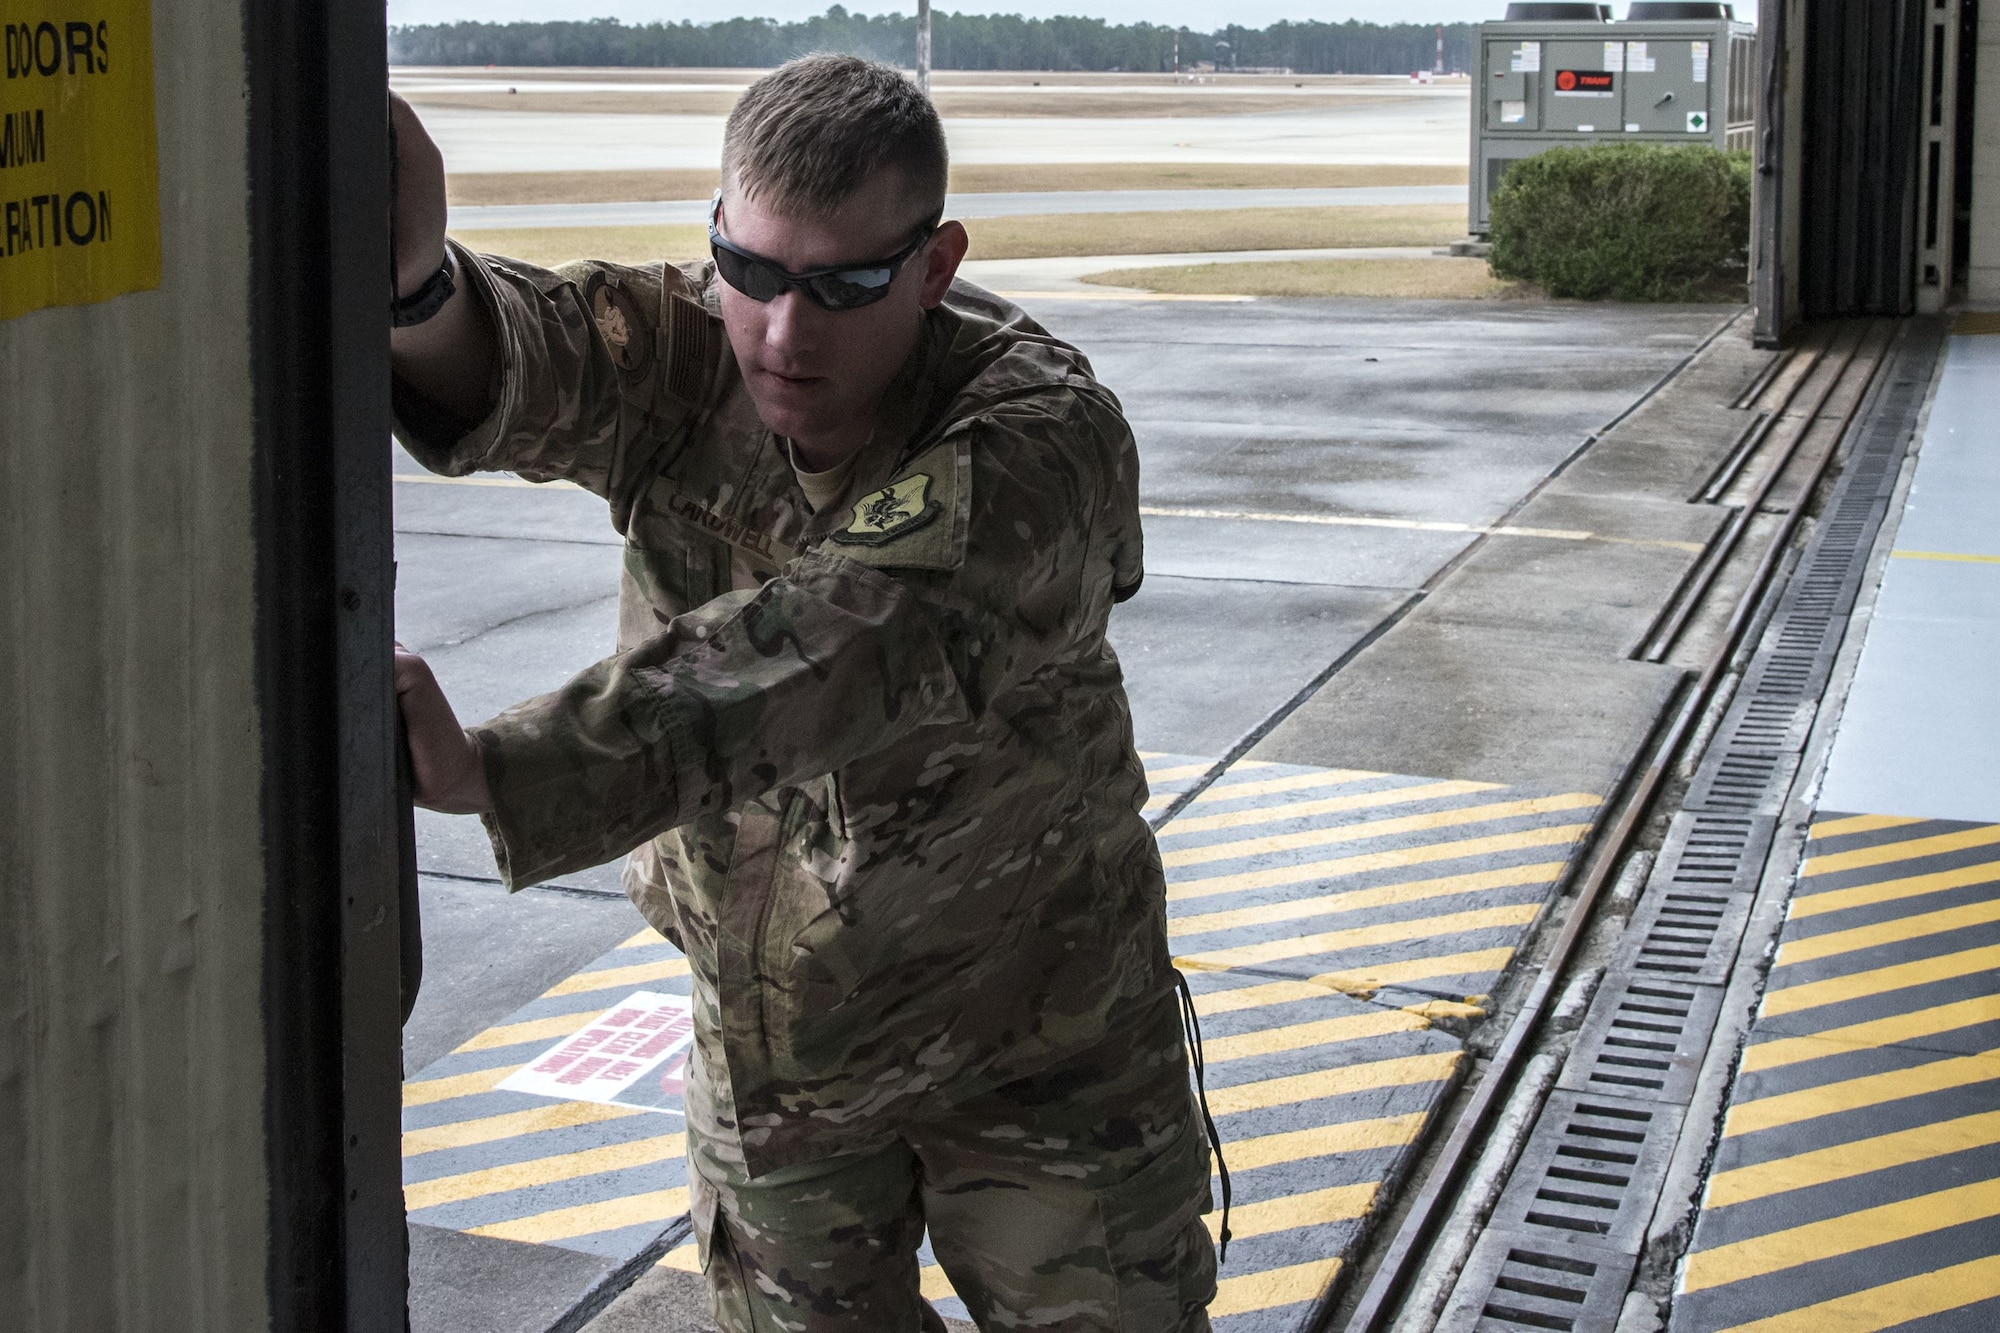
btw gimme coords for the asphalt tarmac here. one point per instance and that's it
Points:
(1425, 127)
(1308, 465)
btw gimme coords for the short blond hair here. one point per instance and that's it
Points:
(811, 132)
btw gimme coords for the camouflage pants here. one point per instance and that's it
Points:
(1070, 1201)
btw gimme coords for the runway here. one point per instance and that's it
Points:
(1429, 131)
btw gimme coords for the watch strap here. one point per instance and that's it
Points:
(426, 300)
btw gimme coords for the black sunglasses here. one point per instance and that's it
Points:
(839, 287)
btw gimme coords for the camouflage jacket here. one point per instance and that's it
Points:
(876, 761)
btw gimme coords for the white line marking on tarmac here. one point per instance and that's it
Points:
(1410, 525)
(1176, 511)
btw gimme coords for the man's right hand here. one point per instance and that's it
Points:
(449, 357)
(450, 772)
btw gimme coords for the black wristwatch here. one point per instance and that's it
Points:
(426, 300)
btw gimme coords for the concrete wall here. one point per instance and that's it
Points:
(133, 1193)
(1983, 280)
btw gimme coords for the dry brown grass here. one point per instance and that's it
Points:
(550, 246)
(1042, 235)
(958, 104)
(401, 74)
(595, 187)
(1188, 231)
(1030, 177)
(1412, 279)
(577, 187)
(677, 103)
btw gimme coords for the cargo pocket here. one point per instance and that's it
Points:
(703, 1201)
(721, 1266)
(1160, 1252)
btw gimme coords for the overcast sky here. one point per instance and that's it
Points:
(1201, 15)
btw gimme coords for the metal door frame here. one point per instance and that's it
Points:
(318, 210)
(1937, 158)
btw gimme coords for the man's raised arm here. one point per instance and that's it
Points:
(448, 358)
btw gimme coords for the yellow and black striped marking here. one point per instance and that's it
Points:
(1338, 928)
(607, 1180)
(1857, 1183)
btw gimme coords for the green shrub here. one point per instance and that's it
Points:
(1632, 222)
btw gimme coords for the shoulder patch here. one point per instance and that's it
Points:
(919, 520)
(890, 512)
(617, 317)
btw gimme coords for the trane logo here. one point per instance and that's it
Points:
(1586, 82)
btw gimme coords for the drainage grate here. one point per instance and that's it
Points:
(1739, 777)
(1749, 766)
(1684, 935)
(1645, 1038)
(1708, 849)
(1592, 1170)
(1692, 915)
(1511, 1286)
(1767, 723)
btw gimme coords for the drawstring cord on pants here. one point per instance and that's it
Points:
(1191, 1027)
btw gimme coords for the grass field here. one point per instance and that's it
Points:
(1040, 235)
(599, 187)
(550, 246)
(1437, 279)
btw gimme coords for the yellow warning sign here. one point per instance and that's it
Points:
(79, 160)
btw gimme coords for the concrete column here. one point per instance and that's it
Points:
(132, 886)
(198, 929)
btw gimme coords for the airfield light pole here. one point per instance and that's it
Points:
(1439, 71)
(924, 46)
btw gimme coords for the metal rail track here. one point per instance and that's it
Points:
(1694, 593)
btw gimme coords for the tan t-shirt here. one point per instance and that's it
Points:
(822, 488)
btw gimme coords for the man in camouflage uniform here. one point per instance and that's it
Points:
(863, 728)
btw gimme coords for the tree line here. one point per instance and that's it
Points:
(958, 41)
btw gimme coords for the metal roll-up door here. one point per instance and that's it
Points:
(1858, 200)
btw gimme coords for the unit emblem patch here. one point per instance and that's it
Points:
(887, 514)
(617, 319)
